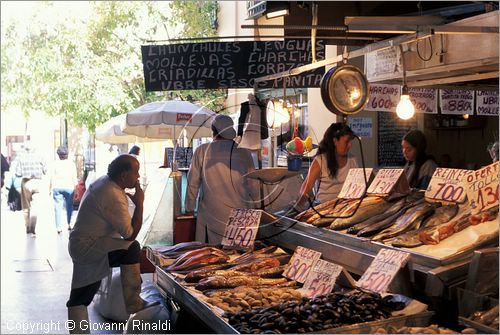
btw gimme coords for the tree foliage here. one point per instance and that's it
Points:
(90, 70)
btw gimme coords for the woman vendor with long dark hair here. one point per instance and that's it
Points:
(330, 165)
(419, 166)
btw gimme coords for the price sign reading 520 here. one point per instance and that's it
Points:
(301, 263)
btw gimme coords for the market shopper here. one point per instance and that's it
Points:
(104, 236)
(419, 166)
(216, 176)
(135, 151)
(31, 167)
(63, 182)
(330, 165)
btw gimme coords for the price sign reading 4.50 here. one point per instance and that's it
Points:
(321, 278)
(482, 188)
(385, 181)
(447, 185)
(383, 269)
(354, 184)
(241, 228)
(301, 263)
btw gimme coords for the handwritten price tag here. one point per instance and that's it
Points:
(447, 185)
(321, 278)
(301, 263)
(385, 181)
(457, 101)
(241, 228)
(383, 269)
(354, 184)
(383, 98)
(482, 188)
(424, 100)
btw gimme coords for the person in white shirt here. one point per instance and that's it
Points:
(216, 175)
(103, 237)
(330, 165)
(63, 182)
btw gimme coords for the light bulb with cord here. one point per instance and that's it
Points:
(405, 109)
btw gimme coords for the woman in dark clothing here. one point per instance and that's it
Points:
(419, 166)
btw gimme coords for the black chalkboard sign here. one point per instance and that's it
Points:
(183, 157)
(214, 65)
(391, 130)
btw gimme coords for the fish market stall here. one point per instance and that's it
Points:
(228, 303)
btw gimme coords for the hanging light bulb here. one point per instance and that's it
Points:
(405, 109)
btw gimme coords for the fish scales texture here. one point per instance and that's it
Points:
(411, 219)
(364, 212)
(411, 238)
(395, 207)
(330, 210)
(346, 211)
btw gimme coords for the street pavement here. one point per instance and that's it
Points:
(36, 275)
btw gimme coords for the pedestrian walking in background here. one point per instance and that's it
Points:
(135, 151)
(63, 181)
(4, 167)
(31, 167)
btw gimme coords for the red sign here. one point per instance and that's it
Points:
(184, 117)
(383, 269)
(301, 263)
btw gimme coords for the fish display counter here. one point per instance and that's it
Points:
(434, 269)
(245, 293)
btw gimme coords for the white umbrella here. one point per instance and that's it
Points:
(168, 120)
(111, 132)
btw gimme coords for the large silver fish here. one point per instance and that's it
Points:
(395, 207)
(411, 219)
(369, 206)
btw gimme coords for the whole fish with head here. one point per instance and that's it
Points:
(395, 207)
(411, 219)
(356, 211)
(411, 238)
(329, 211)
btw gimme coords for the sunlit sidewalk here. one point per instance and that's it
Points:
(35, 275)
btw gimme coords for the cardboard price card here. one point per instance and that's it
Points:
(241, 228)
(388, 180)
(447, 185)
(383, 269)
(354, 185)
(301, 263)
(321, 279)
(482, 188)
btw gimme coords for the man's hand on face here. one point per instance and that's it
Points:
(138, 197)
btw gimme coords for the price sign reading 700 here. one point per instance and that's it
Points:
(447, 185)
(301, 263)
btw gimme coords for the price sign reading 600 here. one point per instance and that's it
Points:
(301, 263)
(241, 228)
